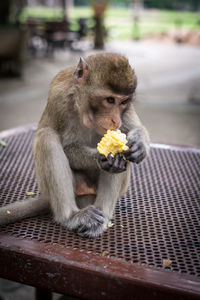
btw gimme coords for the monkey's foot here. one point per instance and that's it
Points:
(88, 222)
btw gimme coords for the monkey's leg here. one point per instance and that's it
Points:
(54, 175)
(93, 219)
(110, 188)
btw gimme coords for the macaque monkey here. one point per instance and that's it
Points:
(79, 185)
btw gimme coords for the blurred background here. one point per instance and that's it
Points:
(161, 39)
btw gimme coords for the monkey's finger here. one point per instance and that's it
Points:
(102, 157)
(93, 214)
(90, 219)
(138, 156)
(131, 143)
(134, 138)
(112, 164)
(134, 149)
(92, 224)
(122, 163)
(88, 229)
(137, 146)
(96, 211)
(116, 161)
(110, 159)
(127, 154)
(92, 232)
(119, 164)
(105, 165)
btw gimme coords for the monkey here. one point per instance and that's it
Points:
(76, 183)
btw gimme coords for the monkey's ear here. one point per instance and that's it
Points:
(81, 71)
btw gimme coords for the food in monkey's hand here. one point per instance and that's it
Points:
(114, 141)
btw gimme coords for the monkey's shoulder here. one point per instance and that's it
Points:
(64, 76)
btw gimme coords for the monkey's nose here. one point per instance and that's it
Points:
(115, 124)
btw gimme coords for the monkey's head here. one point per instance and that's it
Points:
(106, 87)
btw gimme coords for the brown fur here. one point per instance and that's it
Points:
(68, 167)
(112, 71)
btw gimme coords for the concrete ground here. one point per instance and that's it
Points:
(168, 94)
(168, 100)
(10, 290)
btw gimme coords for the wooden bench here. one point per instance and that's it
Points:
(157, 223)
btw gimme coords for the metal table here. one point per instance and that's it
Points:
(158, 219)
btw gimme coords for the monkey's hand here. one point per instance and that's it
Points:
(112, 164)
(138, 147)
(88, 222)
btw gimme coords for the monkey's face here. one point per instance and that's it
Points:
(105, 111)
(106, 86)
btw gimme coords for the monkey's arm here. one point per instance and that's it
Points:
(83, 157)
(110, 188)
(138, 137)
(54, 174)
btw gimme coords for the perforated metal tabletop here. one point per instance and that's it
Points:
(157, 220)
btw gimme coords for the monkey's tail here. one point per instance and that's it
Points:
(23, 209)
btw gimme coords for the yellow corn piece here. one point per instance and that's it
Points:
(112, 142)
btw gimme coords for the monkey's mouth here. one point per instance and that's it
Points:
(104, 129)
(101, 130)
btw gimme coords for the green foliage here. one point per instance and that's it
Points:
(42, 12)
(119, 3)
(81, 2)
(119, 21)
(176, 4)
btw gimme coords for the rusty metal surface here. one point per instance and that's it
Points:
(157, 219)
(87, 275)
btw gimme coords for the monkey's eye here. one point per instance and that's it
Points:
(125, 101)
(110, 100)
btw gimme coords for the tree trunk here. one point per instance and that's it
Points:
(99, 32)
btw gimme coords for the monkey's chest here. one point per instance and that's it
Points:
(81, 136)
